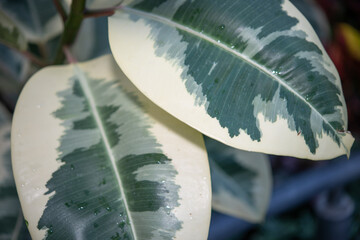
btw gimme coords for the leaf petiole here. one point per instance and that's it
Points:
(72, 26)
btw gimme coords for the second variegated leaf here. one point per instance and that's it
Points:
(94, 159)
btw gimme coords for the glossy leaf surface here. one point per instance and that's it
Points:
(94, 159)
(251, 74)
(241, 181)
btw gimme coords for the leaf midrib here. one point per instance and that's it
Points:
(90, 98)
(202, 36)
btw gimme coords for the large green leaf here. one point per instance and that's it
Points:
(241, 181)
(11, 220)
(9, 33)
(94, 159)
(37, 19)
(249, 73)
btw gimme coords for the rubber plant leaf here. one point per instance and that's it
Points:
(10, 35)
(241, 181)
(249, 73)
(12, 222)
(94, 159)
(37, 19)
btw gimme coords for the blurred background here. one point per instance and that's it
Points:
(310, 200)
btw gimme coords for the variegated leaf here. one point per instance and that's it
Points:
(37, 19)
(241, 181)
(9, 33)
(316, 17)
(249, 73)
(11, 219)
(94, 159)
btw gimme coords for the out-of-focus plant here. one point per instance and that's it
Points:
(113, 148)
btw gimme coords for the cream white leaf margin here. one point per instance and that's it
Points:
(150, 48)
(35, 140)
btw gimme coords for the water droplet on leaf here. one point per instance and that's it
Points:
(96, 212)
(82, 206)
(50, 230)
(308, 97)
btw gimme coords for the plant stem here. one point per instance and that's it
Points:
(102, 12)
(69, 57)
(71, 28)
(43, 50)
(34, 59)
(60, 9)
(97, 13)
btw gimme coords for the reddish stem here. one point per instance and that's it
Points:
(101, 12)
(69, 57)
(60, 9)
(34, 59)
(71, 28)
